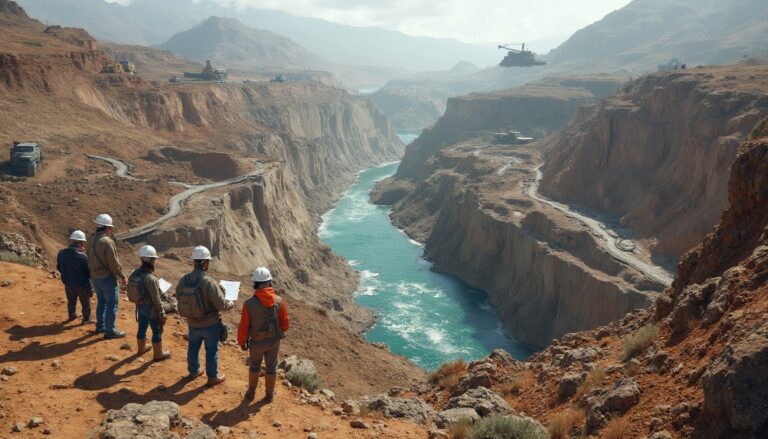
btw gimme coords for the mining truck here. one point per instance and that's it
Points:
(26, 158)
(512, 137)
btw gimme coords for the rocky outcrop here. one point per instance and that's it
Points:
(155, 420)
(658, 154)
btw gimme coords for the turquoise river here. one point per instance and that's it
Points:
(425, 316)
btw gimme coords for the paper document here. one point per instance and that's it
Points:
(164, 285)
(232, 289)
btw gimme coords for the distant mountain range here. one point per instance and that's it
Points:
(646, 33)
(228, 43)
(152, 22)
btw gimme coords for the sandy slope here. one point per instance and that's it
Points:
(73, 398)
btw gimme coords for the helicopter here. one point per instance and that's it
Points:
(519, 58)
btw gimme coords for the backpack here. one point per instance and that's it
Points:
(135, 288)
(270, 330)
(190, 300)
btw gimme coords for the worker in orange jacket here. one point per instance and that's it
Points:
(263, 324)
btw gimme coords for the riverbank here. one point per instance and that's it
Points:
(426, 316)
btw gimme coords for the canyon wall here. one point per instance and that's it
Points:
(538, 288)
(265, 219)
(536, 109)
(657, 154)
(545, 275)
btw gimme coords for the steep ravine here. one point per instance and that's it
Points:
(545, 275)
(656, 155)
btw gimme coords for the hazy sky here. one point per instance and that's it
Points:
(468, 20)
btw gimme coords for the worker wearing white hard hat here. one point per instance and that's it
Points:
(201, 300)
(72, 263)
(263, 323)
(106, 272)
(144, 290)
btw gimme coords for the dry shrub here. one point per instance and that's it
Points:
(592, 381)
(636, 343)
(449, 374)
(616, 429)
(13, 258)
(511, 387)
(461, 429)
(562, 423)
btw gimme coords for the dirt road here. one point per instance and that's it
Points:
(177, 202)
(611, 243)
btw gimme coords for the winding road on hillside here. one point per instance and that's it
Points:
(614, 245)
(177, 202)
(619, 248)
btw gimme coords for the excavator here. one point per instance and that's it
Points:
(519, 58)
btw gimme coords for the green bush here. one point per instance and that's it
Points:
(507, 427)
(13, 258)
(309, 381)
(640, 341)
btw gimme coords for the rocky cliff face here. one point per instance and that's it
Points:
(308, 139)
(536, 109)
(657, 155)
(467, 201)
(693, 366)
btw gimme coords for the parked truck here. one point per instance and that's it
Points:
(26, 158)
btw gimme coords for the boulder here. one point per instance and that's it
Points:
(447, 418)
(484, 401)
(581, 355)
(153, 420)
(619, 398)
(474, 380)
(298, 364)
(569, 384)
(411, 409)
(736, 383)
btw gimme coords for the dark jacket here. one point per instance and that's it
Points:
(72, 263)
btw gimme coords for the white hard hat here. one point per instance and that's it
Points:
(77, 235)
(200, 253)
(104, 220)
(261, 274)
(147, 251)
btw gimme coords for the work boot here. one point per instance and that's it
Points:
(115, 334)
(158, 354)
(269, 384)
(141, 346)
(218, 379)
(253, 382)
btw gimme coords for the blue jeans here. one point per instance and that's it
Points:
(107, 301)
(148, 318)
(209, 335)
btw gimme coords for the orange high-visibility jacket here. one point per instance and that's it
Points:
(267, 298)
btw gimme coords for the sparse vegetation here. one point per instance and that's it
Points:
(506, 427)
(13, 258)
(461, 429)
(308, 381)
(449, 374)
(616, 429)
(511, 386)
(592, 381)
(639, 342)
(562, 423)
